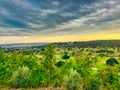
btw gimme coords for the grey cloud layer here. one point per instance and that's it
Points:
(50, 17)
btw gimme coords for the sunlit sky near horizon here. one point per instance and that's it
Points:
(23, 21)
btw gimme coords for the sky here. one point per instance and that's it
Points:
(23, 21)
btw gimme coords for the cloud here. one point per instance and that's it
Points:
(67, 14)
(13, 31)
(25, 17)
(33, 25)
(56, 3)
(100, 18)
(3, 11)
(46, 12)
(22, 3)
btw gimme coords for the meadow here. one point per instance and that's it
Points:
(60, 68)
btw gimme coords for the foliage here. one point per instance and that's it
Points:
(109, 78)
(94, 84)
(49, 64)
(74, 81)
(59, 64)
(1, 53)
(93, 44)
(107, 51)
(37, 67)
(111, 61)
(20, 77)
(66, 55)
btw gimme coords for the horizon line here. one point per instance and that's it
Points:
(61, 41)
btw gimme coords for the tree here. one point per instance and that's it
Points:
(2, 66)
(84, 68)
(112, 61)
(66, 55)
(49, 63)
(1, 53)
(59, 64)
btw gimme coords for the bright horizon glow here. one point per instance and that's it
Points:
(69, 38)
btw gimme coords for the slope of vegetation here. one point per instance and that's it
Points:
(97, 43)
(48, 68)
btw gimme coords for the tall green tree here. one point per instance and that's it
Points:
(49, 63)
(1, 53)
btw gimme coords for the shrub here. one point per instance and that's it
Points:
(74, 82)
(66, 55)
(109, 77)
(59, 64)
(20, 77)
(112, 61)
(107, 51)
(94, 84)
(102, 55)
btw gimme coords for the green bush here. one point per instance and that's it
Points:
(20, 77)
(112, 61)
(74, 82)
(59, 64)
(66, 55)
(110, 79)
(94, 84)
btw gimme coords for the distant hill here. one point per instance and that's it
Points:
(97, 43)
(15, 45)
(83, 44)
